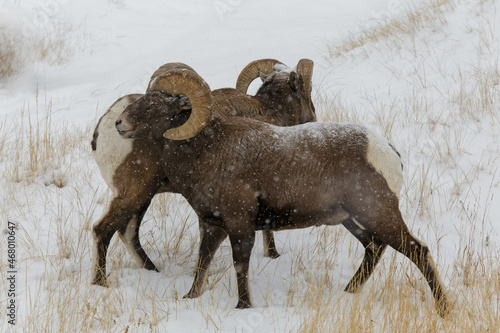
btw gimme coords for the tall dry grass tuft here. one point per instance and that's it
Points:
(57, 43)
(479, 92)
(4, 134)
(53, 43)
(426, 15)
(39, 148)
(12, 58)
(330, 106)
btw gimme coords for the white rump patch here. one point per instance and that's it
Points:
(385, 160)
(111, 148)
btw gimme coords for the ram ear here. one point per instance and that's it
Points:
(293, 81)
(184, 103)
(305, 70)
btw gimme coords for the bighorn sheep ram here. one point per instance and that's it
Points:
(241, 175)
(131, 168)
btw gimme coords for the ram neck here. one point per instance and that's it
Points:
(277, 111)
(183, 160)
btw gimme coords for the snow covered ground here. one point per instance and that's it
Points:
(425, 74)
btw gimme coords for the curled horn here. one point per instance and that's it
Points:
(305, 70)
(166, 68)
(179, 79)
(253, 70)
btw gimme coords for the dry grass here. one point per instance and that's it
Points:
(390, 31)
(332, 108)
(54, 192)
(39, 148)
(53, 43)
(11, 60)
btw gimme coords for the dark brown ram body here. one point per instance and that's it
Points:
(131, 168)
(241, 175)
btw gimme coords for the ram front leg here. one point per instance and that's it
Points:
(242, 244)
(211, 238)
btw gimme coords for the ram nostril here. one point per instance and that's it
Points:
(118, 122)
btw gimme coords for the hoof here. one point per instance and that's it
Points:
(100, 281)
(273, 254)
(191, 294)
(151, 267)
(243, 305)
(444, 307)
(352, 289)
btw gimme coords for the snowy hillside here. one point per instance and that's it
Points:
(424, 74)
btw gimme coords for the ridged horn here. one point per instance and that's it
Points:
(166, 68)
(253, 70)
(183, 80)
(305, 70)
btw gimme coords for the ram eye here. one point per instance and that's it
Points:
(156, 104)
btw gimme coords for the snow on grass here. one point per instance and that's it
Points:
(423, 74)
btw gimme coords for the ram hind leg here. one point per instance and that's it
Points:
(211, 238)
(130, 236)
(102, 231)
(269, 244)
(418, 252)
(388, 226)
(374, 250)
